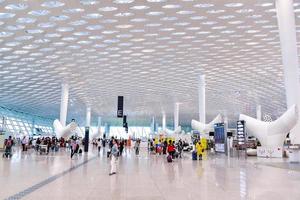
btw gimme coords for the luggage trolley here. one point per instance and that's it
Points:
(43, 149)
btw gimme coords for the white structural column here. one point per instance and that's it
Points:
(176, 116)
(201, 95)
(99, 124)
(164, 121)
(64, 103)
(88, 116)
(287, 32)
(258, 112)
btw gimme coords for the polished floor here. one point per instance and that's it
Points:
(145, 177)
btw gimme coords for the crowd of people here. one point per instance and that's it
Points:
(170, 148)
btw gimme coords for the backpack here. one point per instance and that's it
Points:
(9, 143)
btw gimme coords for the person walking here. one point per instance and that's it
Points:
(24, 143)
(121, 146)
(171, 149)
(114, 158)
(137, 147)
(199, 150)
(180, 148)
(99, 143)
(73, 147)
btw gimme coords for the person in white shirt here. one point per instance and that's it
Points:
(24, 144)
(114, 157)
(99, 144)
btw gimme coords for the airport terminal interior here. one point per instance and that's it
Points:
(150, 99)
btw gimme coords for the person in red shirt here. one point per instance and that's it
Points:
(171, 148)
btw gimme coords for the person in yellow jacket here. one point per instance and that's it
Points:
(199, 150)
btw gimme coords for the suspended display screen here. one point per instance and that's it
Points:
(120, 106)
(220, 137)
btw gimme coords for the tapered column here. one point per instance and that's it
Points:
(99, 125)
(64, 103)
(258, 112)
(287, 33)
(88, 117)
(201, 96)
(176, 116)
(164, 121)
(153, 125)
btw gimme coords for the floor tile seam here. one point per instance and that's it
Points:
(47, 181)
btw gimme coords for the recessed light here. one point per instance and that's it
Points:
(78, 23)
(34, 31)
(92, 16)
(139, 7)
(59, 18)
(155, 13)
(5, 34)
(14, 27)
(125, 14)
(47, 25)
(156, 1)
(6, 15)
(39, 12)
(172, 6)
(19, 6)
(94, 27)
(204, 5)
(25, 37)
(89, 2)
(83, 33)
(123, 1)
(73, 10)
(52, 4)
(65, 29)
(107, 9)
(233, 5)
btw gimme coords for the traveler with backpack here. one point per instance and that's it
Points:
(8, 147)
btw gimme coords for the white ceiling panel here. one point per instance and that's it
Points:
(150, 51)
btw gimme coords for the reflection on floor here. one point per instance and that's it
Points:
(145, 177)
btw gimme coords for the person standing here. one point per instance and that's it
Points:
(199, 150)
(24, 143)
(180, 148)
(171, 149)
(121, 146)
(99, 143)
(73, 147)
(8, 147)
(137, 147)
(113, 157)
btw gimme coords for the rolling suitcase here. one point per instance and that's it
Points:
(194, 155)
(169, 158)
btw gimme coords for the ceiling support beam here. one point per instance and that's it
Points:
(176, 116)
(64, 103)
(258, 112)
(201, 99)
(88, 116)
(164, 121)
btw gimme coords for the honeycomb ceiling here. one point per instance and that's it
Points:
(150, 51)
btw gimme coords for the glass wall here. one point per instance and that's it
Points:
(119, 132)
(19, 124)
